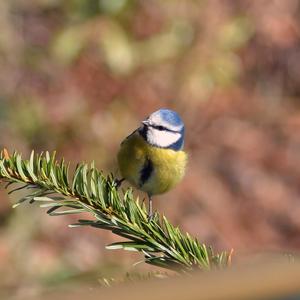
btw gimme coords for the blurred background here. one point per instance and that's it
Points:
(77, 76)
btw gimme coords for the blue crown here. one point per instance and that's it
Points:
(170, 117)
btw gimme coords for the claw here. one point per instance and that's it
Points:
(118, 182)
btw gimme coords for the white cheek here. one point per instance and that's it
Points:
(162, 138)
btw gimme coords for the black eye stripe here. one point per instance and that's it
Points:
(161, 128)
(158, 127)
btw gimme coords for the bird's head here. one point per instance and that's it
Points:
(164, 129)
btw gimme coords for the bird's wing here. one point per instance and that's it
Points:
(131, 134)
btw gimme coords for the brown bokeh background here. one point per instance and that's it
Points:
(77, 76)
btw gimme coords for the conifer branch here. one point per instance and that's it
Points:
(48, 182)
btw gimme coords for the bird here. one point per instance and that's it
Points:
(152, 158)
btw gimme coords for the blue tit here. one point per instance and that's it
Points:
(151, 158)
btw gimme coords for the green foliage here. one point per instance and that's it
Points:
(48, 182)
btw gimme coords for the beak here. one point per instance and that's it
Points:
(146, 123)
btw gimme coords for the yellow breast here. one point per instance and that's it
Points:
(167, 165)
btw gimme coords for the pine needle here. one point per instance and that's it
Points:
(89, 190)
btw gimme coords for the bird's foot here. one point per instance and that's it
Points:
(150, 217)
(118, 182)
